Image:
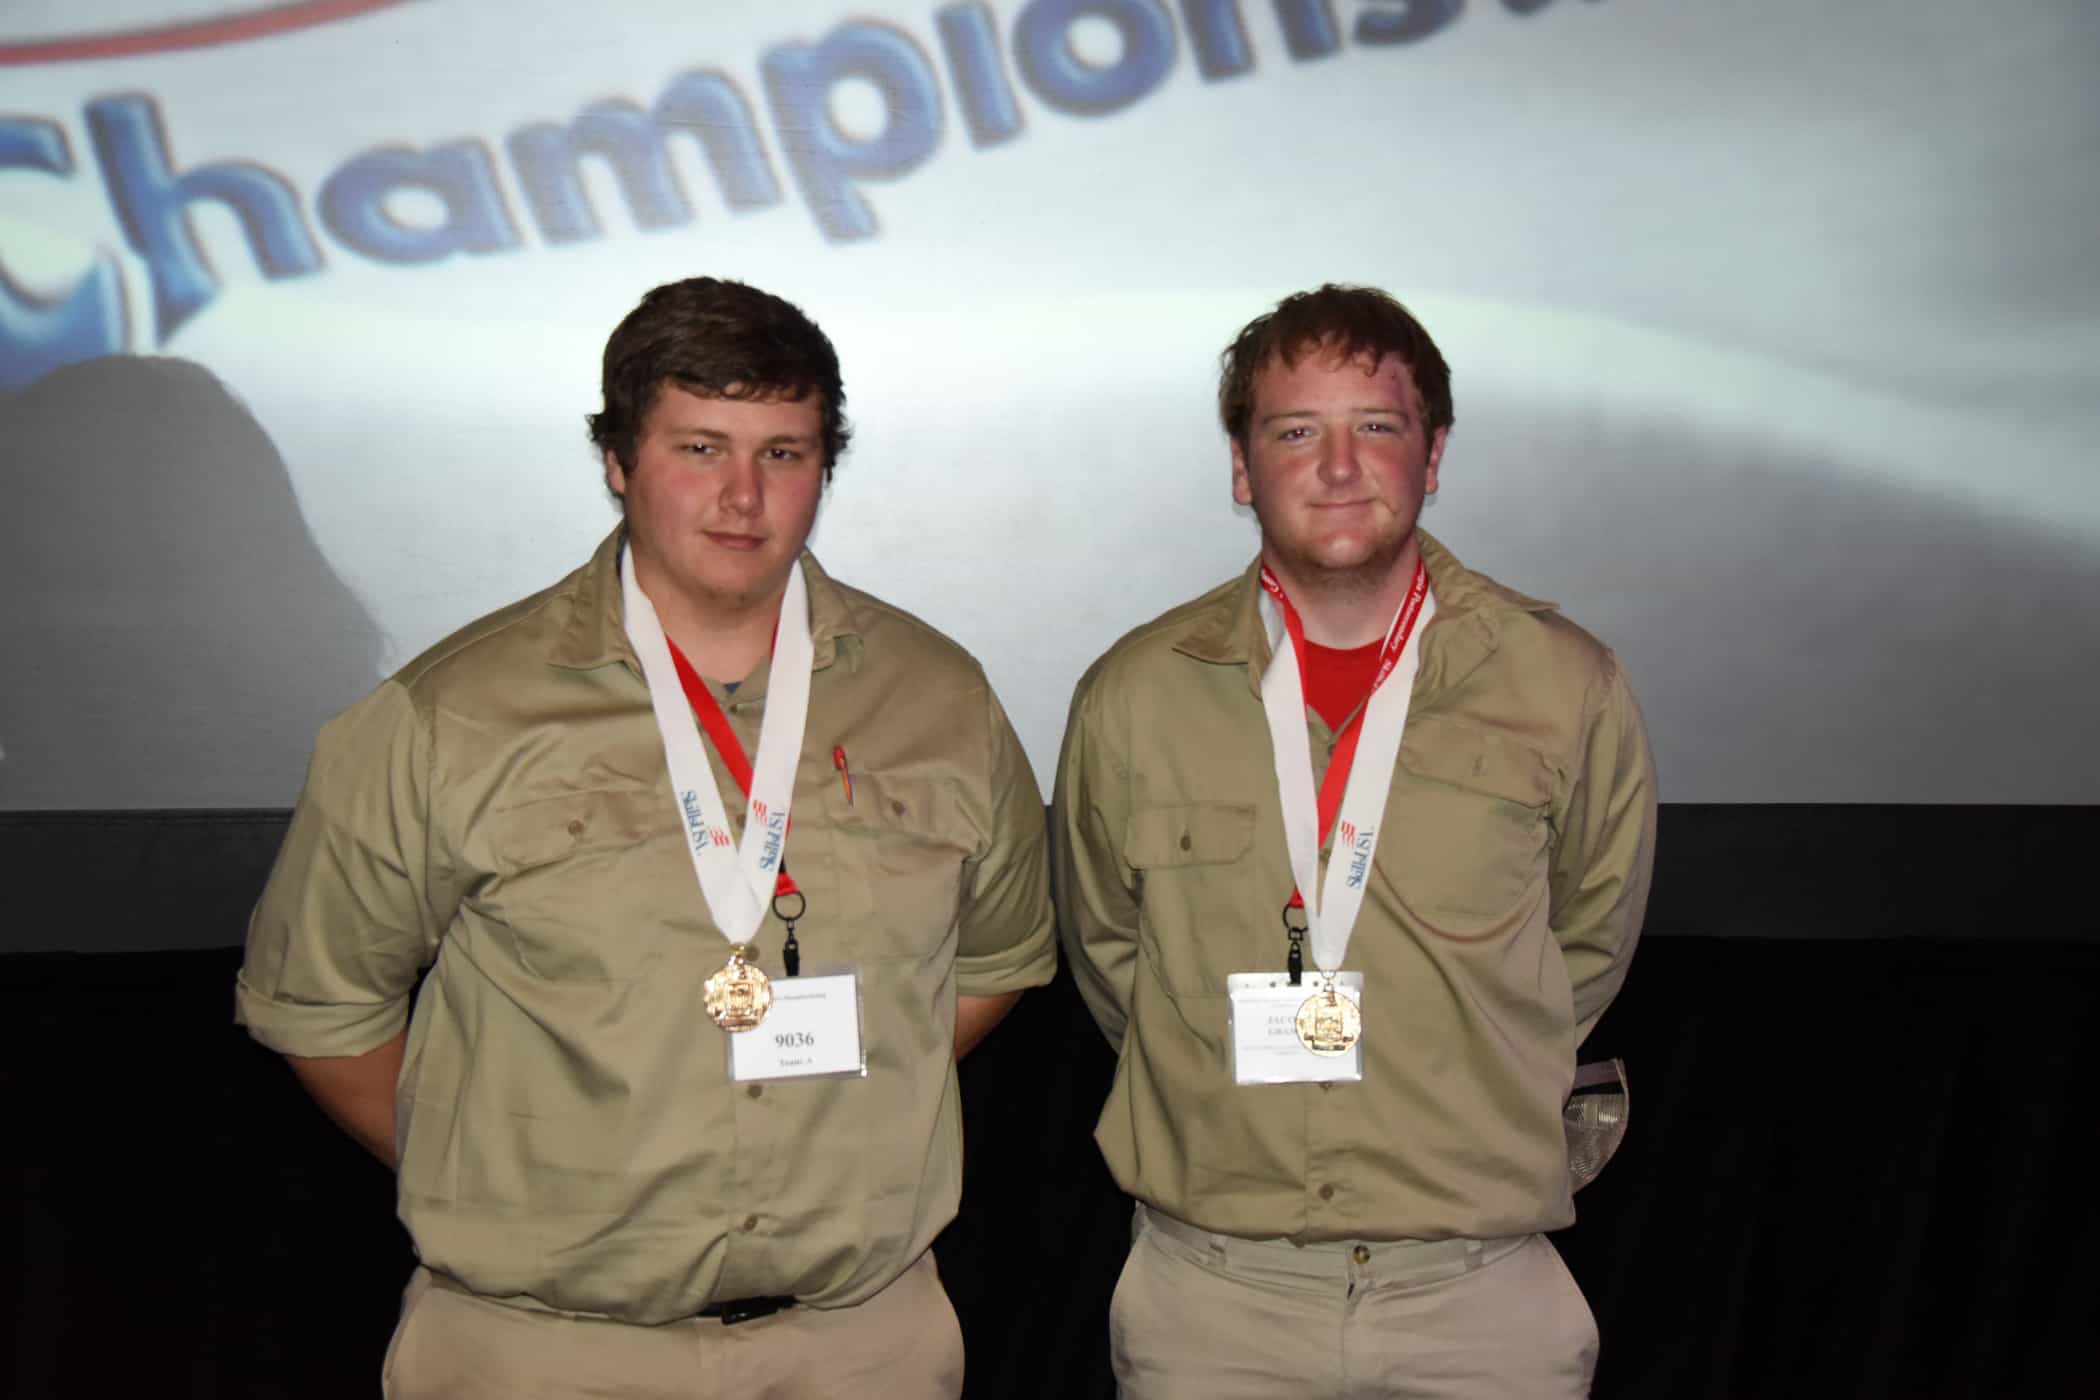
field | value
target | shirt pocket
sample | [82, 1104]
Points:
[582, 885]
[1194, 909]
[899, 851]
[1465, 842]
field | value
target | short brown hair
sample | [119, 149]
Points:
[1351, 321]
[725, 340]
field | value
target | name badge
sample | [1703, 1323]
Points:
[1269, 1045]
[812, 1029]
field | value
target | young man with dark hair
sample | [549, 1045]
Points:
[1351, 853]
[716, 865]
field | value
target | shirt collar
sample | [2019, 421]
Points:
[596, 632]
[1465, 631]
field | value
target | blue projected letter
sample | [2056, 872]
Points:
[705, 105]
[618, 133]
[1417, 19]
[152, 204]
[1219, 37]
[972, 41]
[1308, 27]
[826, 161]
[38, 335]
[459, 173]
[1069, 83]
[711, 109]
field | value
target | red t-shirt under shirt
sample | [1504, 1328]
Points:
[1336, 682]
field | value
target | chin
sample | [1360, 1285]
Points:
[1351, 557]
[744, 585]
[1355, 563]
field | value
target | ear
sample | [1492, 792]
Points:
[615, 475]
[1242, 485]
[1436, 458]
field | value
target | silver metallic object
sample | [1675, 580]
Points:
[1595, 1117]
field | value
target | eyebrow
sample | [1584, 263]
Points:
[1380, 410]
[718, 435]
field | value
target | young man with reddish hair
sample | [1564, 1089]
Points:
[717, 865]
[1352, 852]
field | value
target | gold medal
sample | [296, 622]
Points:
[1329, 1023]
[739, 996]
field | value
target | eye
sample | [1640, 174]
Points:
[1295, 433]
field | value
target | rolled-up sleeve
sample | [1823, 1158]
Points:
[1605, 853]
[1096, 891]
[1007, 941]
[348, 919]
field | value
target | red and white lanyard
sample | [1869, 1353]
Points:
[740, 882]
[1354, 791]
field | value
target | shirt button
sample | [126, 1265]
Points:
[1184, 840]
[1360, 1255]
[1327, 1192]
[750, 1223]
[756, 1090]
[1325, 1086]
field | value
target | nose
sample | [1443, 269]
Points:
[743, 486]
[1338, 464]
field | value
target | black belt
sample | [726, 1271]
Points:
[737, 1310]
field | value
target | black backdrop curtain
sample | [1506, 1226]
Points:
[1860, 1164]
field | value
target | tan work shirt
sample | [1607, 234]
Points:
[569, 1134]
[1505, 897]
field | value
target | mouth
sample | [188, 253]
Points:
[735, 540]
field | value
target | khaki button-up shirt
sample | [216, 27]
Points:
[569, 1134]
[1505, 896]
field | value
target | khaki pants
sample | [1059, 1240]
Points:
[453, 1345]
[1212, 1317]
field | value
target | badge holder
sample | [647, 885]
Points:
[1285, 1032]
[812, 1027]
[1595, 1118]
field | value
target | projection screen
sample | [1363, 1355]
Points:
[1775, 330]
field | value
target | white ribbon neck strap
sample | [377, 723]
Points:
[1331, 919]
[737, 884]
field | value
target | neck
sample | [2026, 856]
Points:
[1347, 608]
[724, 639]
[723, 653]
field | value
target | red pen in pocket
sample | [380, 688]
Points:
[838, 761]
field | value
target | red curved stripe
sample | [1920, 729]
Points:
[192, 34]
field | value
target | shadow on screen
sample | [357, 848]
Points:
[173, 635]
[1798, 630]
